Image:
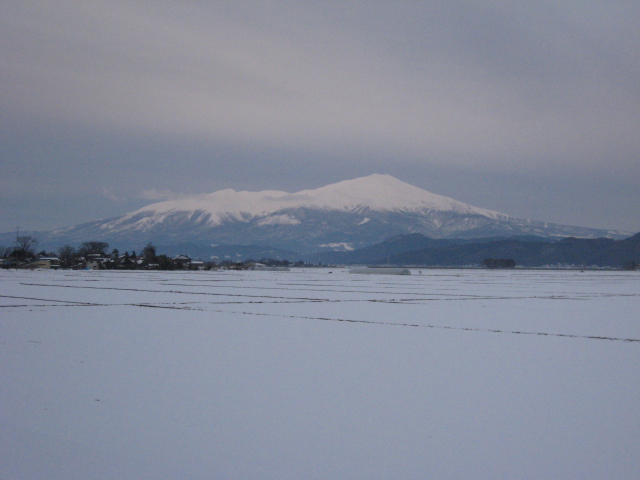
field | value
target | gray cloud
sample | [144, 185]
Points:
[184, 97]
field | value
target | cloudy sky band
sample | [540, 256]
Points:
[185, 97]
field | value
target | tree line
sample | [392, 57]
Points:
[96, 255]
[92, 252]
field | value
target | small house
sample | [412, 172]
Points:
[47, 263]
[182, 262]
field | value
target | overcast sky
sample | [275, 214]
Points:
[528, 108]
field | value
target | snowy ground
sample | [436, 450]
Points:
[319, 374]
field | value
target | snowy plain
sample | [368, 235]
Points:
[320, 374]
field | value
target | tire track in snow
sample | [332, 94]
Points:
[280, 299]
[179, 292]
[440, 327]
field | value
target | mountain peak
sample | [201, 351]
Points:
[384, 193]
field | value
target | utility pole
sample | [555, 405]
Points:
[15, 257]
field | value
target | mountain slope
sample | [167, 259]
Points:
[382, 193]
[345, 215]
[383, 251]
[602, 252]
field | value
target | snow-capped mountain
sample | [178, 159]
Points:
[381, 193]
[344, 215]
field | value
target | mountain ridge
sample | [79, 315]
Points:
[418, 250]
[374, 192]
[345, 215]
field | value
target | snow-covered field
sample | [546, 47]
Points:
[319, 374]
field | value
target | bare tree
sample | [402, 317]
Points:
[66, 254]
[26, 242]
[24, 247]
[93, 247]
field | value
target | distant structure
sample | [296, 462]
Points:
[267, 268]
[381, 271]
